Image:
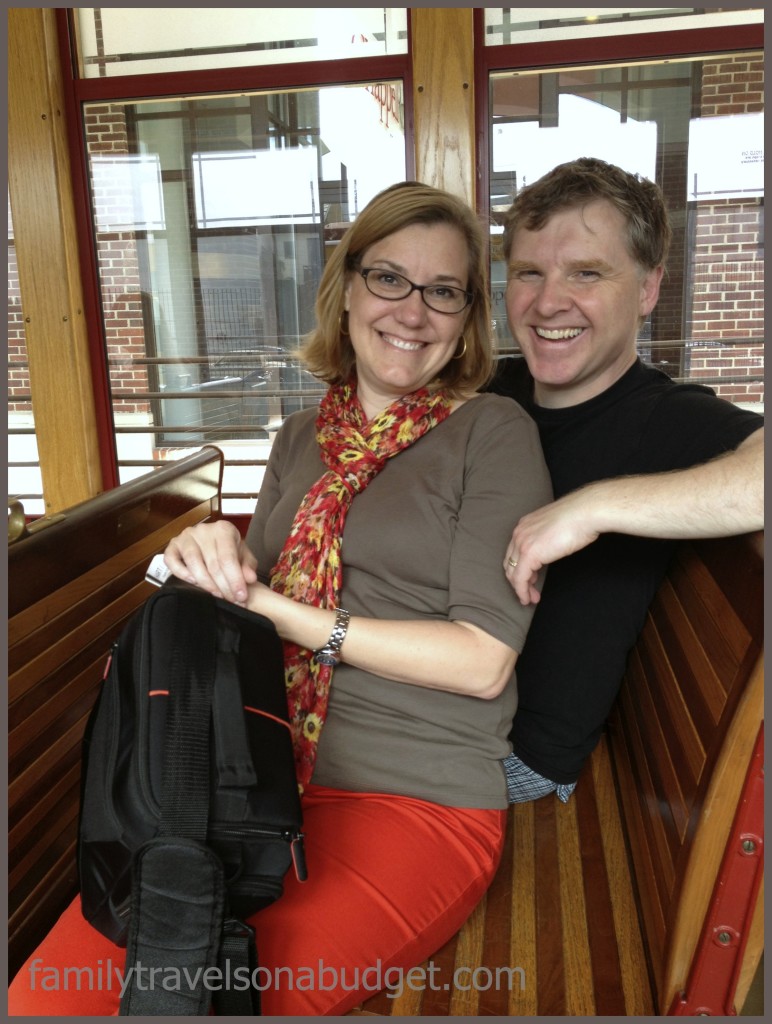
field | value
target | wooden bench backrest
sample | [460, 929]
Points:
[72, 585]
[682, 738]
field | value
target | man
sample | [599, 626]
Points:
[586, 247]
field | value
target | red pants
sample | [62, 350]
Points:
[390, 880]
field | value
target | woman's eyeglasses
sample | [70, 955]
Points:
[442, 298]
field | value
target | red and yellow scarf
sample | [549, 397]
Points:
[309, 567]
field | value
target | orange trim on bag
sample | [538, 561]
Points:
[158, 693]
[265, 714]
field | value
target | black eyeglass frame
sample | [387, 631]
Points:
[364, 271]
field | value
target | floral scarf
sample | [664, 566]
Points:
[309, 567]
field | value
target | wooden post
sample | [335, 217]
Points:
[443, 84]
[45, 233]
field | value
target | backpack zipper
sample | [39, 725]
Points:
[294, 838]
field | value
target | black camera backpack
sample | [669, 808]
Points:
[190, 814]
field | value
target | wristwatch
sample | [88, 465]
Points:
[330, 653]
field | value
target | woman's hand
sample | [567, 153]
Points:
[214, 557]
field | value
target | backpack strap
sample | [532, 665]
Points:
[187, 750]
[177, 906]
[178, 888]
[238, 961]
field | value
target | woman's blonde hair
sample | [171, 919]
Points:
[327, 350]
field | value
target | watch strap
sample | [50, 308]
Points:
[330, 653]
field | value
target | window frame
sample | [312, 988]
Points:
[187, 84]
[684, 43]
[557, 56]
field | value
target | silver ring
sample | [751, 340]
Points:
[512, 562]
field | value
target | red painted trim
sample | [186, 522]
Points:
[481, 113]
[274, 77]
[409, 105]
[100, 376]
[621, 49]
[715, 970]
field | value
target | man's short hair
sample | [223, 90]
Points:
[586, 180]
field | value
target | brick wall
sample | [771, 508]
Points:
[18, 373]
[119, 275]
[726, 315]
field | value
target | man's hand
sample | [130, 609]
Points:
[719, 498]
[214, 557]
[543, 537]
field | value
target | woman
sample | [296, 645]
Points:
[377, 549]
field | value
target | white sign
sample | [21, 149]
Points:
[726, 157]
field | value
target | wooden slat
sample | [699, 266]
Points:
[55, 613]
[655, 830]
[577, 930]
[523, 1001]
[604, 952]
[124, 515]
[679, 733]
[636, 981]
[668, 773]
[712, 615]
[550, 986]
[497, 941]
[650, 891]
[469, 949]
[737, 566]
[691, 666]
[31, 837]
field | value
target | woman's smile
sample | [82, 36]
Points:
[403, 344]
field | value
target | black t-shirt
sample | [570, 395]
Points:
[594, 602]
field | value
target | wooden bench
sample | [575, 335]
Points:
[73, 582]
[641, 895]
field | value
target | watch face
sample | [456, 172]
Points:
[326, 659]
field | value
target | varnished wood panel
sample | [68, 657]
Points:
[523, 999]
[578, 933]
[46, 248]
[698, 629]
[691, 666]
[497, 941]
[604, 951]
[443, 96]
[633, 961]
[126, 515]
